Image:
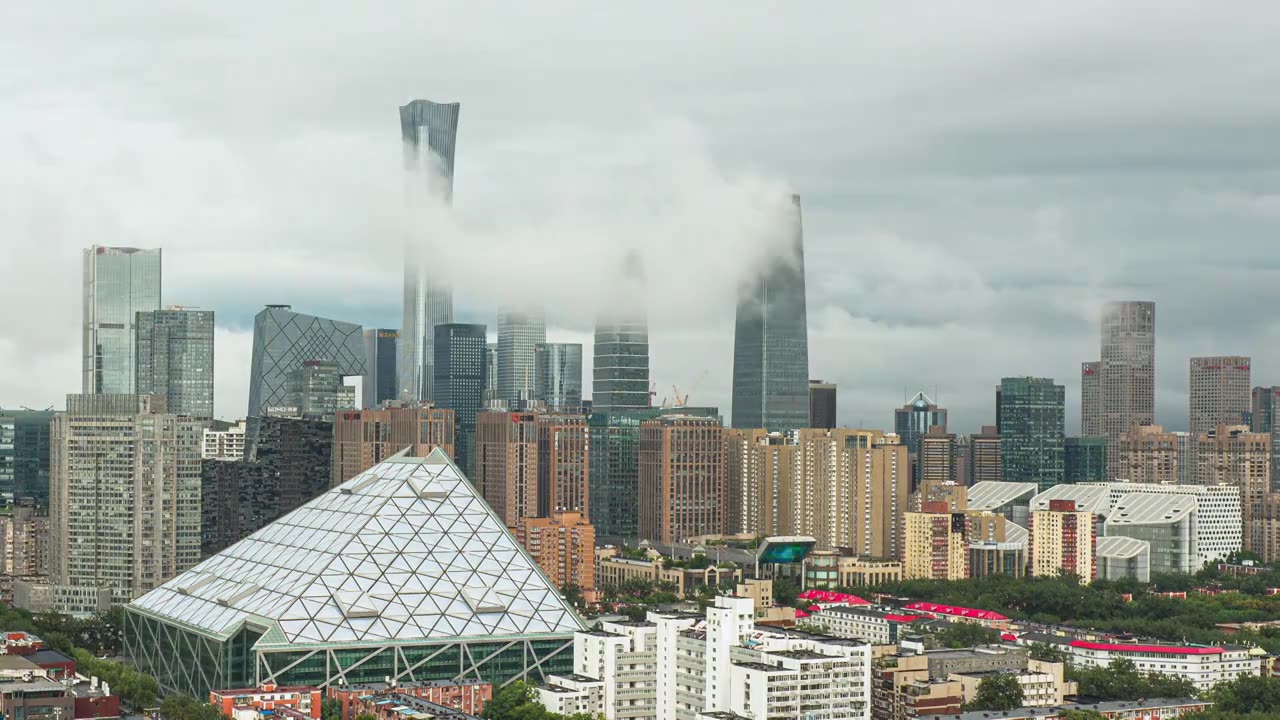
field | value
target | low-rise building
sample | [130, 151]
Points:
[269, 698]
[467, 696]
[876, 626]
[1145, 709]
[1121, 557]
[903, 687]
[402, 706]
[1203, 665]
[616, 570]
[830, 569]
[1170, 524]
[953, 613]
[1043, 683]
[80, 601]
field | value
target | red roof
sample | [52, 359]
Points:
[1009, 636]
[801, 614]
[1161, 649]
[903, 618]
[815, 608]
[956, 611]
[828, 596]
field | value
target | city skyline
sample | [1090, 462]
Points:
[1041, 206]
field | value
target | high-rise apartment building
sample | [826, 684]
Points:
[173, 357]
[564, 465]
[935, 546]
[284, 340]
[519, 330]
[1091, 399]
[1032, 414]
[1148, 454]
[681, 478]
[984, 456]
[936, 464]
[759, 476]
[24, 547]
[771, 341]
[429, 132]
[564, 546]
[381, 382]
[1127, 373]
[119, 282]
[506, 458]
[1084, 459]
[1220, 392]
[124, 502]
[822, 404]
[1235, 456]
[24, 454]
[459, 383]
[316, 390]
[851, 490]
[226, 444]
[1063, 540]
[557, 376]
[364, 438]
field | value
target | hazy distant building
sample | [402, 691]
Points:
[1032, 414]
[108, 448]
[1220, 392]
[557, 376]
[519, 330]
[381, 382]
[822, 404]
[119, 282]
[1091, 399]
[316, 390]
[174, 358]
[490, 373]
[1127, 374]
[984, 456]
[283, 340]
[364, 438]
[429, 132]
[1148, 454]
[681, 478]
[1084, 459]
[620, 369]
[461, 352]
[1262, 415]
[24, 454]
[771, 342]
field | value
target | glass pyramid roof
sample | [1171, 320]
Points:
[402, 552]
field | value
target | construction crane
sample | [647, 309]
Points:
[653, 393]
[679, 401]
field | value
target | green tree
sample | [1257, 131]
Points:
[366, 716]
[785, 591]
[1247, 694]
[1045, 652]
[330, 709]
[185, 707]
[997, 692]
[1075, 714]
[966, 634]
[573, 594]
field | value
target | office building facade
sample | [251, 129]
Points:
[284, 340]
[316, 390]
[1220, 392]
[1084, 459]
[124, 502]
[564, 464]
[519, 331]
[507, 463]
[1127, 373]
[119, 282]
[984, 456]
[459, 383]
[173, 357]
[822, 404]
[771, 341]
[381, 382]
[620, 367]
[429, 132]
[1032, 415]
[681, 460]
[364, 438]
[24, 454]
[1091, 399]
[557, 376]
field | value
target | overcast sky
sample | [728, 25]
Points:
[977, 178]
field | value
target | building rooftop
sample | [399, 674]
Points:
[875, 613]
[19, 663]
[1106, 707]
[1118, 546]
[1088, 498]
[415, 708]
[955, 611]
[991, 495]
[406, 550]
[1141, 508]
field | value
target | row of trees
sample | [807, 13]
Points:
[516, 702]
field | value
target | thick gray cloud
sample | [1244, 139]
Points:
[977, 179]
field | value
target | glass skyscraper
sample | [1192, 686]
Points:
[771, 342]
[380, 348]
[429, 131]
[284, 340]
[557, 375]
[174, 358]
[461, 353]
[620, 370]
[119, 282]
[519, 330]
[1032, 417]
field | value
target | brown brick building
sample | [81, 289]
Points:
[564, 546]
[682, 478]
[364, 438]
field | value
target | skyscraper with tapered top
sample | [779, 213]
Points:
[771, 340]
[429, 131]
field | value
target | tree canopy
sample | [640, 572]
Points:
[1121, 680]
[997, 692]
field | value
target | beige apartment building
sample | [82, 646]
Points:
[936, 545]
[564, 546]
[564, 464]
[759, 474]
[1063, 540]
[364, 438]
[1234, 455]
[682, 478]
[1148, 454]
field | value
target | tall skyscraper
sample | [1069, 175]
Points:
[1032, 414]
[174, 358]
[557, 376]
[1090, 399]
[119, 282]
[124, 502]
[936, 463]
[381, 346]
[911, 422]
[283, 340]
[620, 370]
[1262, 418]
[822, 404]
[519, 330]
[459, 369]
[681, 478]
[984, 456]
[1220, 392]
[490, 373]
[1127, 374]
[506, 452]
[564, 464]
[771, 341]
[24, 454]
[316, 390]
[429, 131]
